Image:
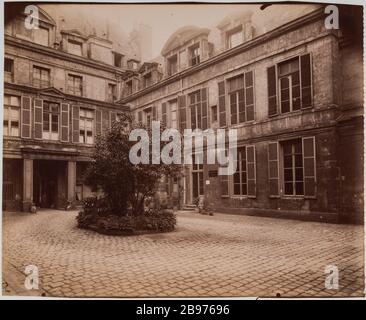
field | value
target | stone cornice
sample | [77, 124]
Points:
[292, 25]
[20, 43]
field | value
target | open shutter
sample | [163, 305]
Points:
[75, 123]
[38, 117]
[64, 122]
[272, 91]
[182, 112]
[251, 171]
[308, 146]
[273, 169]
[204, 105]
[222, 107]
[98, 122]
[163, 114]
[305, 65]
[26, 117]
[105, 121]
[249, 95]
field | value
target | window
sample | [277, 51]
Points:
[86, 124]
[289, 85]
[194, 53]
[234, 37]
[11, 116]
[75, 47]
[41, 77]
[172, 65]
[197, 175]
[51, 115]
[128, 87]
[117, 59]
[173, 114]
[75, 85]
[147, 80]
[112, 92]
[293, 178]
[240, 176]
[241, 96]
[9, 70]
[213, 114]
[41, 36]
[195, 105]
[148, 117]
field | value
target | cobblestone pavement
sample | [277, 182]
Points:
[223, 255]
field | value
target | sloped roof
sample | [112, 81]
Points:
[181, 36]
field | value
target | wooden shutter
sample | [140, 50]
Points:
[251, 171]
[98, 122]
[75, 123]
[65, 122]
[26, 117]
[222, 107]
[105, 121]
[305, 67]
[308, 151]
[182, 112]
[38, 118]
[272, 90]
[273, 169]
[249, 95]
[204, 108]
[163, 114]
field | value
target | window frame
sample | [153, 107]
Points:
[41, 82]
[72, 91]
[10, 120]
[50, 134]
[234, 31]
[194, 59]
[169, 64]
[9, 75]
[82, 119]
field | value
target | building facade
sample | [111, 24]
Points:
[60, 90]
[292, 88]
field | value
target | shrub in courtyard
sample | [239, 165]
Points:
[126, 187]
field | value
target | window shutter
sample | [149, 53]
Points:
[272, 90]
[251, 171]
[305, 65]
[154, 113]
[182, 112]
[139, 117]
[204, 111]
[273, 169]
[98, 122]
[308, 146]
[163, 114]
[26, 117]
[38, 117]
[65, 122]
[105, 121]
[75, 123]
[222, 107]
[113, 117]
[249, 95]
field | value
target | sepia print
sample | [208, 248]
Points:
[183, 150]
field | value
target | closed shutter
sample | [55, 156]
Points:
[163, 114]
[65, 122]
[272, 90]
[26, 117]
[38, 117]
[105, 121]
[222, 107]
[204, 110]
[249, 95]
[308, 146]
[98, 122]
[273, 169]
[251, 171]
[182, 112]
[75, 123]
[305, 65]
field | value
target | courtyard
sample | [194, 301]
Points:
[206, 256]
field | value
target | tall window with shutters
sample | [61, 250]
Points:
[11, 116]
[290, 85]
[86, 125]
[241, 98]
[51, 117]
[244, 179]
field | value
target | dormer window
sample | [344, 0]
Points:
[117, 59]
[129, 87]
[147, 80]
[234, 37]
[194, 54]
[75, 47]
[41, 36]
[172, 65]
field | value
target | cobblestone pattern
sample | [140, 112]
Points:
[223, 255]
